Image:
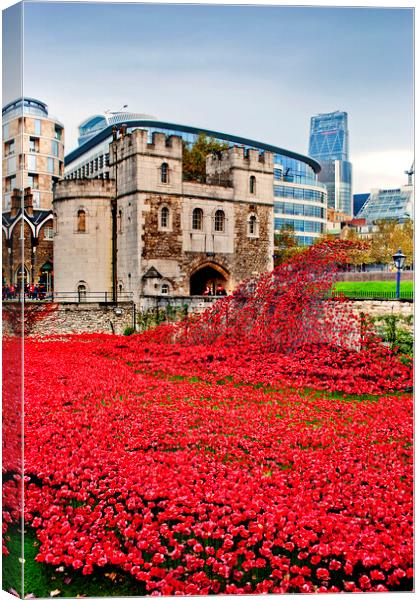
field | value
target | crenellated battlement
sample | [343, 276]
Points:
[235, 166]
[166, 144]
[137, 142]
[239, 157]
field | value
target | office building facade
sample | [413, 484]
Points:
[33, 151]
[329, 145]
[300, 200]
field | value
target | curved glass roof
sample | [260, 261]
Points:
[96, 123]
[29, 105]
[97, 133]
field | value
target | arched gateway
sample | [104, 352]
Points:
[208, 275]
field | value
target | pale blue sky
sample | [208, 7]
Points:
[260, 72]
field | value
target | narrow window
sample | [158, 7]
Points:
[164, 173]
[252, 184]
[252, 226]
[81, 221]
[11, 165]
[119, 221]
[9, 148]
[81, 290]
[58, 133]
[197, 219]
[219, 221]
[164, 218]
[48, 233]
[36, 199]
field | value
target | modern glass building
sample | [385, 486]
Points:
[300, 200]
[329, 144]
[395, 204]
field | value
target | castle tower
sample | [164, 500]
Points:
[82, 237]
[137, 164]
[249, 172]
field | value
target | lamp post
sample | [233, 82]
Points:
[114, 205]
[399, 259]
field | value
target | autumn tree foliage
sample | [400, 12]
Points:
[390, 237]
[285, 245]
[194, 157]
[386, 238]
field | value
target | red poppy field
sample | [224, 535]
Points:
[174, 464]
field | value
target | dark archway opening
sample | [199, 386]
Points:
[206, 277]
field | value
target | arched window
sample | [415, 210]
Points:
[252, 226]
[119, 221]
[55, 223]
[197, 219]
[81, 221]
[252, 185]
[164, 173]
[219, 220]
[164, 218]
[81, 292]
[165, 289]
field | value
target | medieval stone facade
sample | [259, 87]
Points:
[147, 232]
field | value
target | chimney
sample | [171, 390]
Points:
[16, 202]
[28, 202]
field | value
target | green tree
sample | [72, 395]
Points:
[194, 157]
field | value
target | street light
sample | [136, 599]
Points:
[399, 259]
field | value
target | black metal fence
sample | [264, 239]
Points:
[371, 295]
[78, 297]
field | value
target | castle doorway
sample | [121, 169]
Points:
[209, 275]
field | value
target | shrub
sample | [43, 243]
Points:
[129, 330]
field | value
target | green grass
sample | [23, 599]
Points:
[42, 579]
[354, 287]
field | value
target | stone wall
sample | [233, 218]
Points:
[184, 304]
[377, 308]
[66, 318]
[375, 276]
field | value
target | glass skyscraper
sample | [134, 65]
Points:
[329, 145]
